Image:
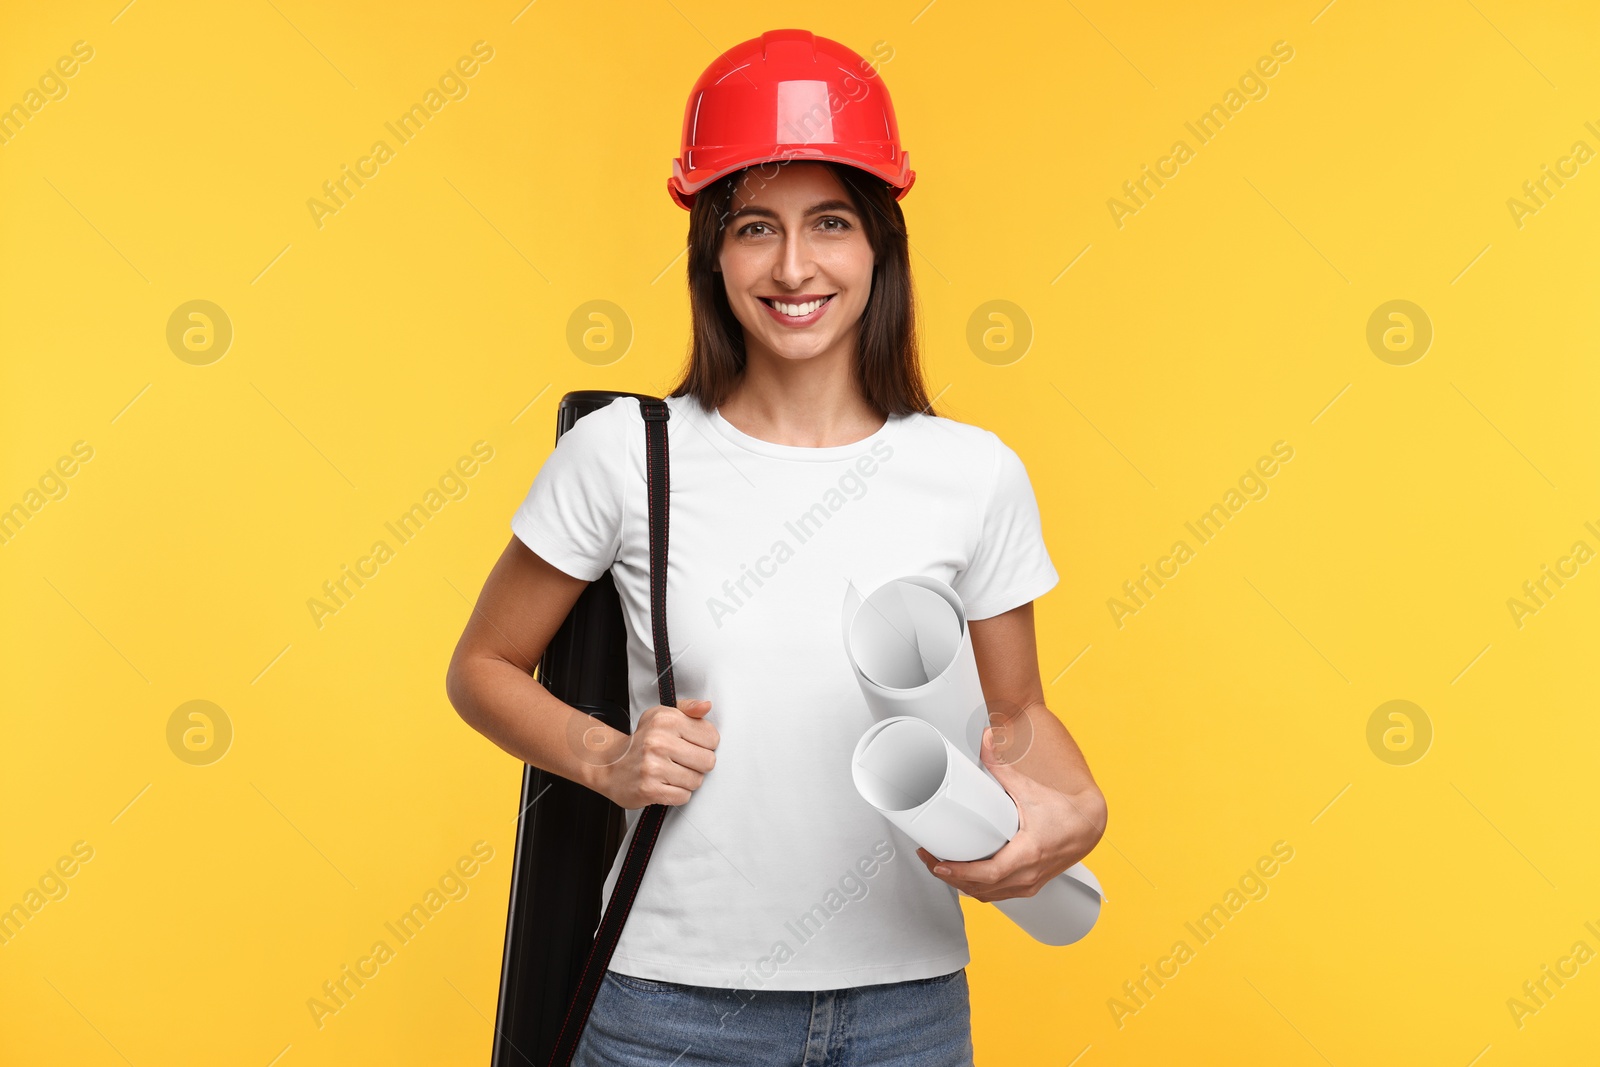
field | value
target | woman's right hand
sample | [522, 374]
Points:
[665, 759]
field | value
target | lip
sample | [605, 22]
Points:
[800, 321]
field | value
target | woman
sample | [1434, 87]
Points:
[780, 920]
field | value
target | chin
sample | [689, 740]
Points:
[796, 352]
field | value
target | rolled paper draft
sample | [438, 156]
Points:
[909, 645]
[906, 769]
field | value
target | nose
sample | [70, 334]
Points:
[795, 263]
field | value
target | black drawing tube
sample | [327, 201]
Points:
[567, 836]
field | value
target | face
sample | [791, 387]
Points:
[794, 239]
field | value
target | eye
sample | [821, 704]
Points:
[745, 229]
[843, 225]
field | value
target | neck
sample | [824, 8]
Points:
[812, 402]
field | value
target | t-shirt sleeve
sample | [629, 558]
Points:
[572, 515]
[1011, 564]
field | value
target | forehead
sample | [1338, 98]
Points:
[794, 186]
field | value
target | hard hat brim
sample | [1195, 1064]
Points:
[683, 186]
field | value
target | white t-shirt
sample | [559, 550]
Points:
[776, 874]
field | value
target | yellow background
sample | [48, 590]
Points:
[1229, 313]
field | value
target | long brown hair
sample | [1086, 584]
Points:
[887, 366]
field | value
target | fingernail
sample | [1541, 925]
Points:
[941, 869]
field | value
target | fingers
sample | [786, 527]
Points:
[682, 721]
[670, 780]
[699, 732]
[694, 727]
[674, 749]
[996, 878]
[688, 754]
[673, 762]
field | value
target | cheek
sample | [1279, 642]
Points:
[739, 273]
[859, 267]
[860, 282]
[849, 265]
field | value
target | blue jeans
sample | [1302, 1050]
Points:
[639, 1022]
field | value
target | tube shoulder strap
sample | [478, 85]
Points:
[648, 828]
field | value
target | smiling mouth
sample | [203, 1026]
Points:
[796, 310]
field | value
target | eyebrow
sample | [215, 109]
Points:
[826, 205]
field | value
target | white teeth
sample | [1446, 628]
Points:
[796, 310]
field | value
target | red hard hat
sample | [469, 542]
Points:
[787, 94]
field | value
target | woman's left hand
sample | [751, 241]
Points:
[1054, 832]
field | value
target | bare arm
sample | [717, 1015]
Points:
[522, 605]
[1027, 734]
[490, 683]
[1061, 811]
